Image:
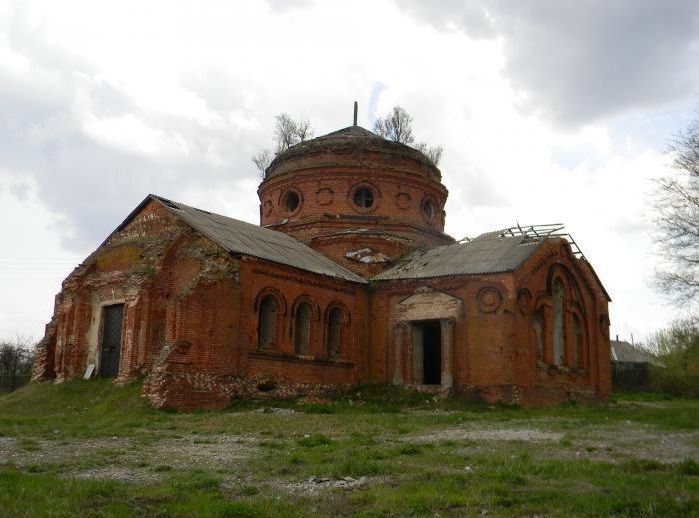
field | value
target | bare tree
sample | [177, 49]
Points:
[287, 132]
[304, 130]
[396, 126]
[433, 153]
[262, 161]
[677, 219]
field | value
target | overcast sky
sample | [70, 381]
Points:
[548, 111]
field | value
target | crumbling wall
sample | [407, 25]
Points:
[149, 264]
[44, 353]
[175, 382]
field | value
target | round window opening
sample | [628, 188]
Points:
[428, 208]
[363, 198]
[291, 201]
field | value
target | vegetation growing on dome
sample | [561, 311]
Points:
[398, 127]
[395, 126]
[287, 132]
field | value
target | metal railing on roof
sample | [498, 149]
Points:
[537, 232]
[533, 233]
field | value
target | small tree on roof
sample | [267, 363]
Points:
[398, 127]
[287, 132]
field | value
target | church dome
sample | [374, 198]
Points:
[351, 140]
[358, 198]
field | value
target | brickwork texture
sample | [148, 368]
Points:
[204, 326]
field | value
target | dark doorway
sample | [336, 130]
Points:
[431, 352]
[111, 340]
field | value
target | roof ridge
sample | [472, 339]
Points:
[256, 241]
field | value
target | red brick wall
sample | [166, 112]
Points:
[191, 323]
[292, 286]
[483, 346]
[215, 355]
[494, 347]
[583, 292]
[325, 184]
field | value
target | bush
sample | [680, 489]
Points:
[677, 349]
[670, 381]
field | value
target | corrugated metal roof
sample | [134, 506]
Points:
[622, 351]
[244, 238]
[488, 253]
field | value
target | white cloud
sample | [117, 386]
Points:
[576, 62]
[32, 261]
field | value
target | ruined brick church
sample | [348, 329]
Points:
[349, 279]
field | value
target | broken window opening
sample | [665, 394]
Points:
[538, 335]
[558, 323]
[334, 332]
[267, 325]
[578, 340]
[291, 201]
[302, 328]
[428, 209]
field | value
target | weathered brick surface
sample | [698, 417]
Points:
[191, 309]
[328, 219]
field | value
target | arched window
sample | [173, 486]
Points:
[575, 360]
[291, 201]
[537, 324]
[578, 361]
[302, 328]
[333, 334]
[267, 324]
[557, 296]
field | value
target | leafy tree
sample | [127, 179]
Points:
[15, 363]
[677, 346]
[398, 127]
[677, 219]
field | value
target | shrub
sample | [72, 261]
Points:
[677, 349]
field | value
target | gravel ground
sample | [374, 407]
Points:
[148, 461]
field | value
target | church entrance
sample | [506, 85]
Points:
[111, 340]
[427, 352]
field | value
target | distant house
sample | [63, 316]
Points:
[630, 366]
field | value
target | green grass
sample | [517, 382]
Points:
[390, 436]
[192, 494]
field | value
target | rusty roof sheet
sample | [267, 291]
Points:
[245, 238]
[488, 253]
